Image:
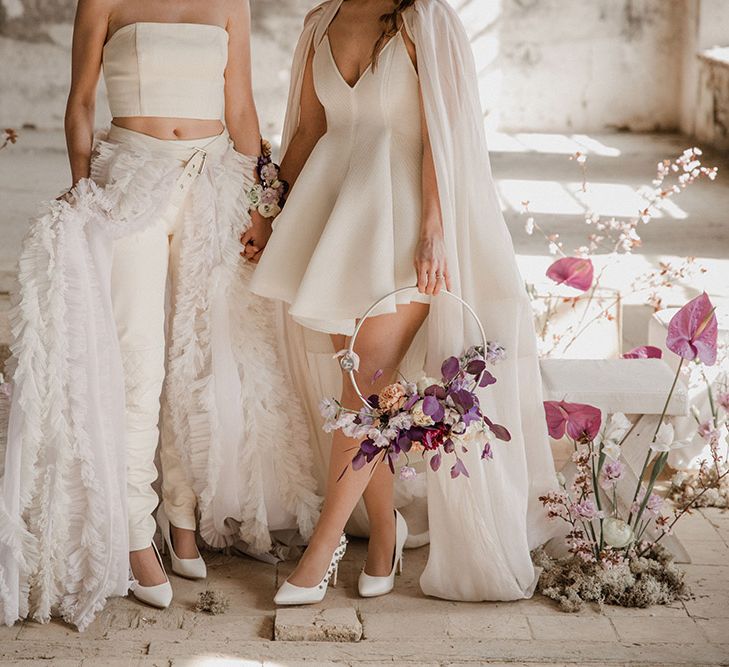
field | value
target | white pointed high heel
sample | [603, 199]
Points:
[159, 596]
[289, 594]
[190, 568]
[371, 587]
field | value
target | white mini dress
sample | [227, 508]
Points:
[348, 232]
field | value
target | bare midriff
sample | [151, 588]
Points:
[170, 128]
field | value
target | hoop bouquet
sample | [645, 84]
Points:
[433, 417]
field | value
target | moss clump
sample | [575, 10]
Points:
[687, 487]
[212, 602]
[636, 582]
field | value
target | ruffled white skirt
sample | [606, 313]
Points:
[228, 406]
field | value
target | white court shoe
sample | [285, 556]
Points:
[371, 587]
[190, 568]
[159, 596]
[289, 594]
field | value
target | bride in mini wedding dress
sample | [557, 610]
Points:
[391, 185]
[164, 189]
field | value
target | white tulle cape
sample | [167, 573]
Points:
[481, 529]
[227, 403]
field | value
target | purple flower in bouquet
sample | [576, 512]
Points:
[576, 272]
[269, 172]
[644, 352]
[723, 400]
[270, 196]
[580, 421]
[612, 472]
[692, 331]
[585, 509]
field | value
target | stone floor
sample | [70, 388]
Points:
[404, 628]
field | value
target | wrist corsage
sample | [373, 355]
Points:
[268, 196]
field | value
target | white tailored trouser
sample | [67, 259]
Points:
[140, 269]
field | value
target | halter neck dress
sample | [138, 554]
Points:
[348, 232]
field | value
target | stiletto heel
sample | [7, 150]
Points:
[290, 594]
[369, 586]
[159, 596]
[190, 568]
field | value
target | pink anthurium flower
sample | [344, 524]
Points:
[644, 352]
[580, 421]
[576, 272]
[693, 330]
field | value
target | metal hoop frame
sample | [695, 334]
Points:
[347, 361]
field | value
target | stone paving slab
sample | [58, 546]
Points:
[335, 624]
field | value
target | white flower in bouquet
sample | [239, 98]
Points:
[255, 195]
[408, 472]
[451, 417]
[425, 382]
[269, 210]
[401, 422]
[328, 408]
[664, 438]
[617, 533]
[378, 438]
[419, 417]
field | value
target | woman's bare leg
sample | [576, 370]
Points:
[381, 344]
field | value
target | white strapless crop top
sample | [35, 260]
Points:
[174, 70]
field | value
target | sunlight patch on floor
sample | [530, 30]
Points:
[541, 142]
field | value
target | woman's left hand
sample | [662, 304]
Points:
[430, 264]
[256, 237]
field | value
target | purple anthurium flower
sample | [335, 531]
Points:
[448, 446]
[435, 461]
[486, 379]
[458, 469]
[644, 352]
[374, 401]
[450, 368]
[580, 421]
[693, 330]
[433, 408]
[575, 272]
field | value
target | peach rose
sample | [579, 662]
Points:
[392, 397]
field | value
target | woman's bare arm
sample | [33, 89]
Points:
[430, 255]
[241, 117]
[312, 126]
[89, 35]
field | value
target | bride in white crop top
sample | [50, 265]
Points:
[134, 306]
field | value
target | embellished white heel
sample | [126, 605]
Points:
[369, 586]
[190, 568]
[159, 596]
[289, 594]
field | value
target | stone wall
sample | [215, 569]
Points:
[544, 65]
